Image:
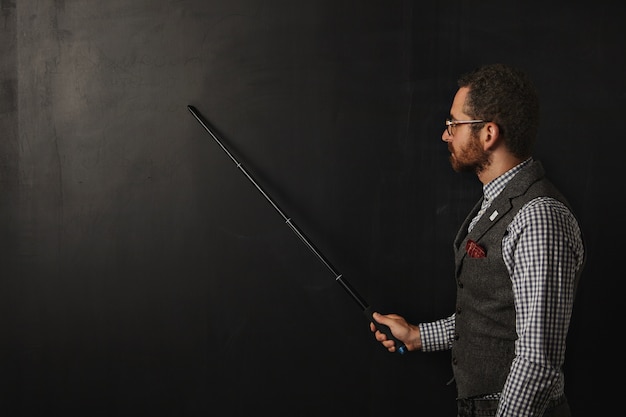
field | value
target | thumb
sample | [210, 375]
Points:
[379, 318]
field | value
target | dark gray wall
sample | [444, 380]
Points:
[142, 274]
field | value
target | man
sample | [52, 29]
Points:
[518, 256]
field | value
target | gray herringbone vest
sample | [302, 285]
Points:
[483, 349]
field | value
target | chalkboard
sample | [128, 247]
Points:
[142, 273]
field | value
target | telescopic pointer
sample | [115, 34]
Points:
[368, 310]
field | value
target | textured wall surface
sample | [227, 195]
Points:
[143, 275]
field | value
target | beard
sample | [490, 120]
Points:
[471, 158]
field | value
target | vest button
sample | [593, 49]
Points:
[459, 283]
[458, 310]
[454, 361]
[456, 336]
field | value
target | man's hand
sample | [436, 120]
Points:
[407, 333]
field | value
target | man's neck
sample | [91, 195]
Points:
[497, 167]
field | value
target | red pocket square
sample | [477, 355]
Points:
[474, 250]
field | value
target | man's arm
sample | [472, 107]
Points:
[543, 251]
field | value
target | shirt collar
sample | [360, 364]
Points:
[495, 186]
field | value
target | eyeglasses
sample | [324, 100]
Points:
[451, 124]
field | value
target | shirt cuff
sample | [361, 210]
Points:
[437, 335]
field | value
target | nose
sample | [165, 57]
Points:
[445, 136]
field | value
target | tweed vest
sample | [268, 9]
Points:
[484, 342]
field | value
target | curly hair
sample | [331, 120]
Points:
[506, 96]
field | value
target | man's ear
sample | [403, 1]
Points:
[490, 136]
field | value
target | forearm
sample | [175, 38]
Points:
[528, 389]
[437, 335]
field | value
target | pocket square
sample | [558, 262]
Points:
[474, 250]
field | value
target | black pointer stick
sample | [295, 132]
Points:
[400, 347]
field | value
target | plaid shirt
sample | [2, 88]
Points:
[542, 252]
